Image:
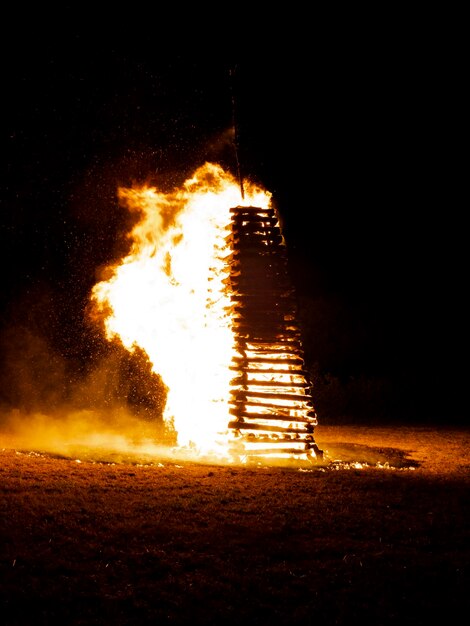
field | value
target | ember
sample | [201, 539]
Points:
[205, 292]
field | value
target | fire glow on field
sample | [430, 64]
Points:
[169, 297]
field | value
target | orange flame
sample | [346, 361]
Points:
[168, 297]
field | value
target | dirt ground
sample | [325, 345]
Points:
[433, 450]
[376, 533]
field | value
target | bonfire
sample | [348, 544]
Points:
[204, 291]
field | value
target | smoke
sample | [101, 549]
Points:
[32, 375]
[97, 435]
[222, 140]
[103, 411]
[108, 404]
[221, 148]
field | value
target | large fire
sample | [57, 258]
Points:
[171, 297]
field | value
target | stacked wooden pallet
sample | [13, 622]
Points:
[271, 402]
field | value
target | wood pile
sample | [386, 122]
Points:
[271, 402]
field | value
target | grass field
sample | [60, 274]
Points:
[376, 534]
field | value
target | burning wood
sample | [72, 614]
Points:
[205, 292]
[264, 323]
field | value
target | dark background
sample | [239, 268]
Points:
[356, 134]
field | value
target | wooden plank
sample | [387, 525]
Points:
[268, 360]
[255, 227]
[239, 394]
[284, 298]
[251, 370]
[260, 286]
[266, 383]
[241, 211]
[257, 263]
[274, 417]
[257, 335]
[271, 313]
[240, 407]
[280, 450]
[257, 238]
[271, 325]
[269, 348]
[237, 425]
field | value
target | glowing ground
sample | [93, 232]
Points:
[377, 534]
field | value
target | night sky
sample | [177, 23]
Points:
[355, 137]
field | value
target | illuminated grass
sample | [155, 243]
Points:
[184, 542]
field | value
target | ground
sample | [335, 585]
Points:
[376, 533]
